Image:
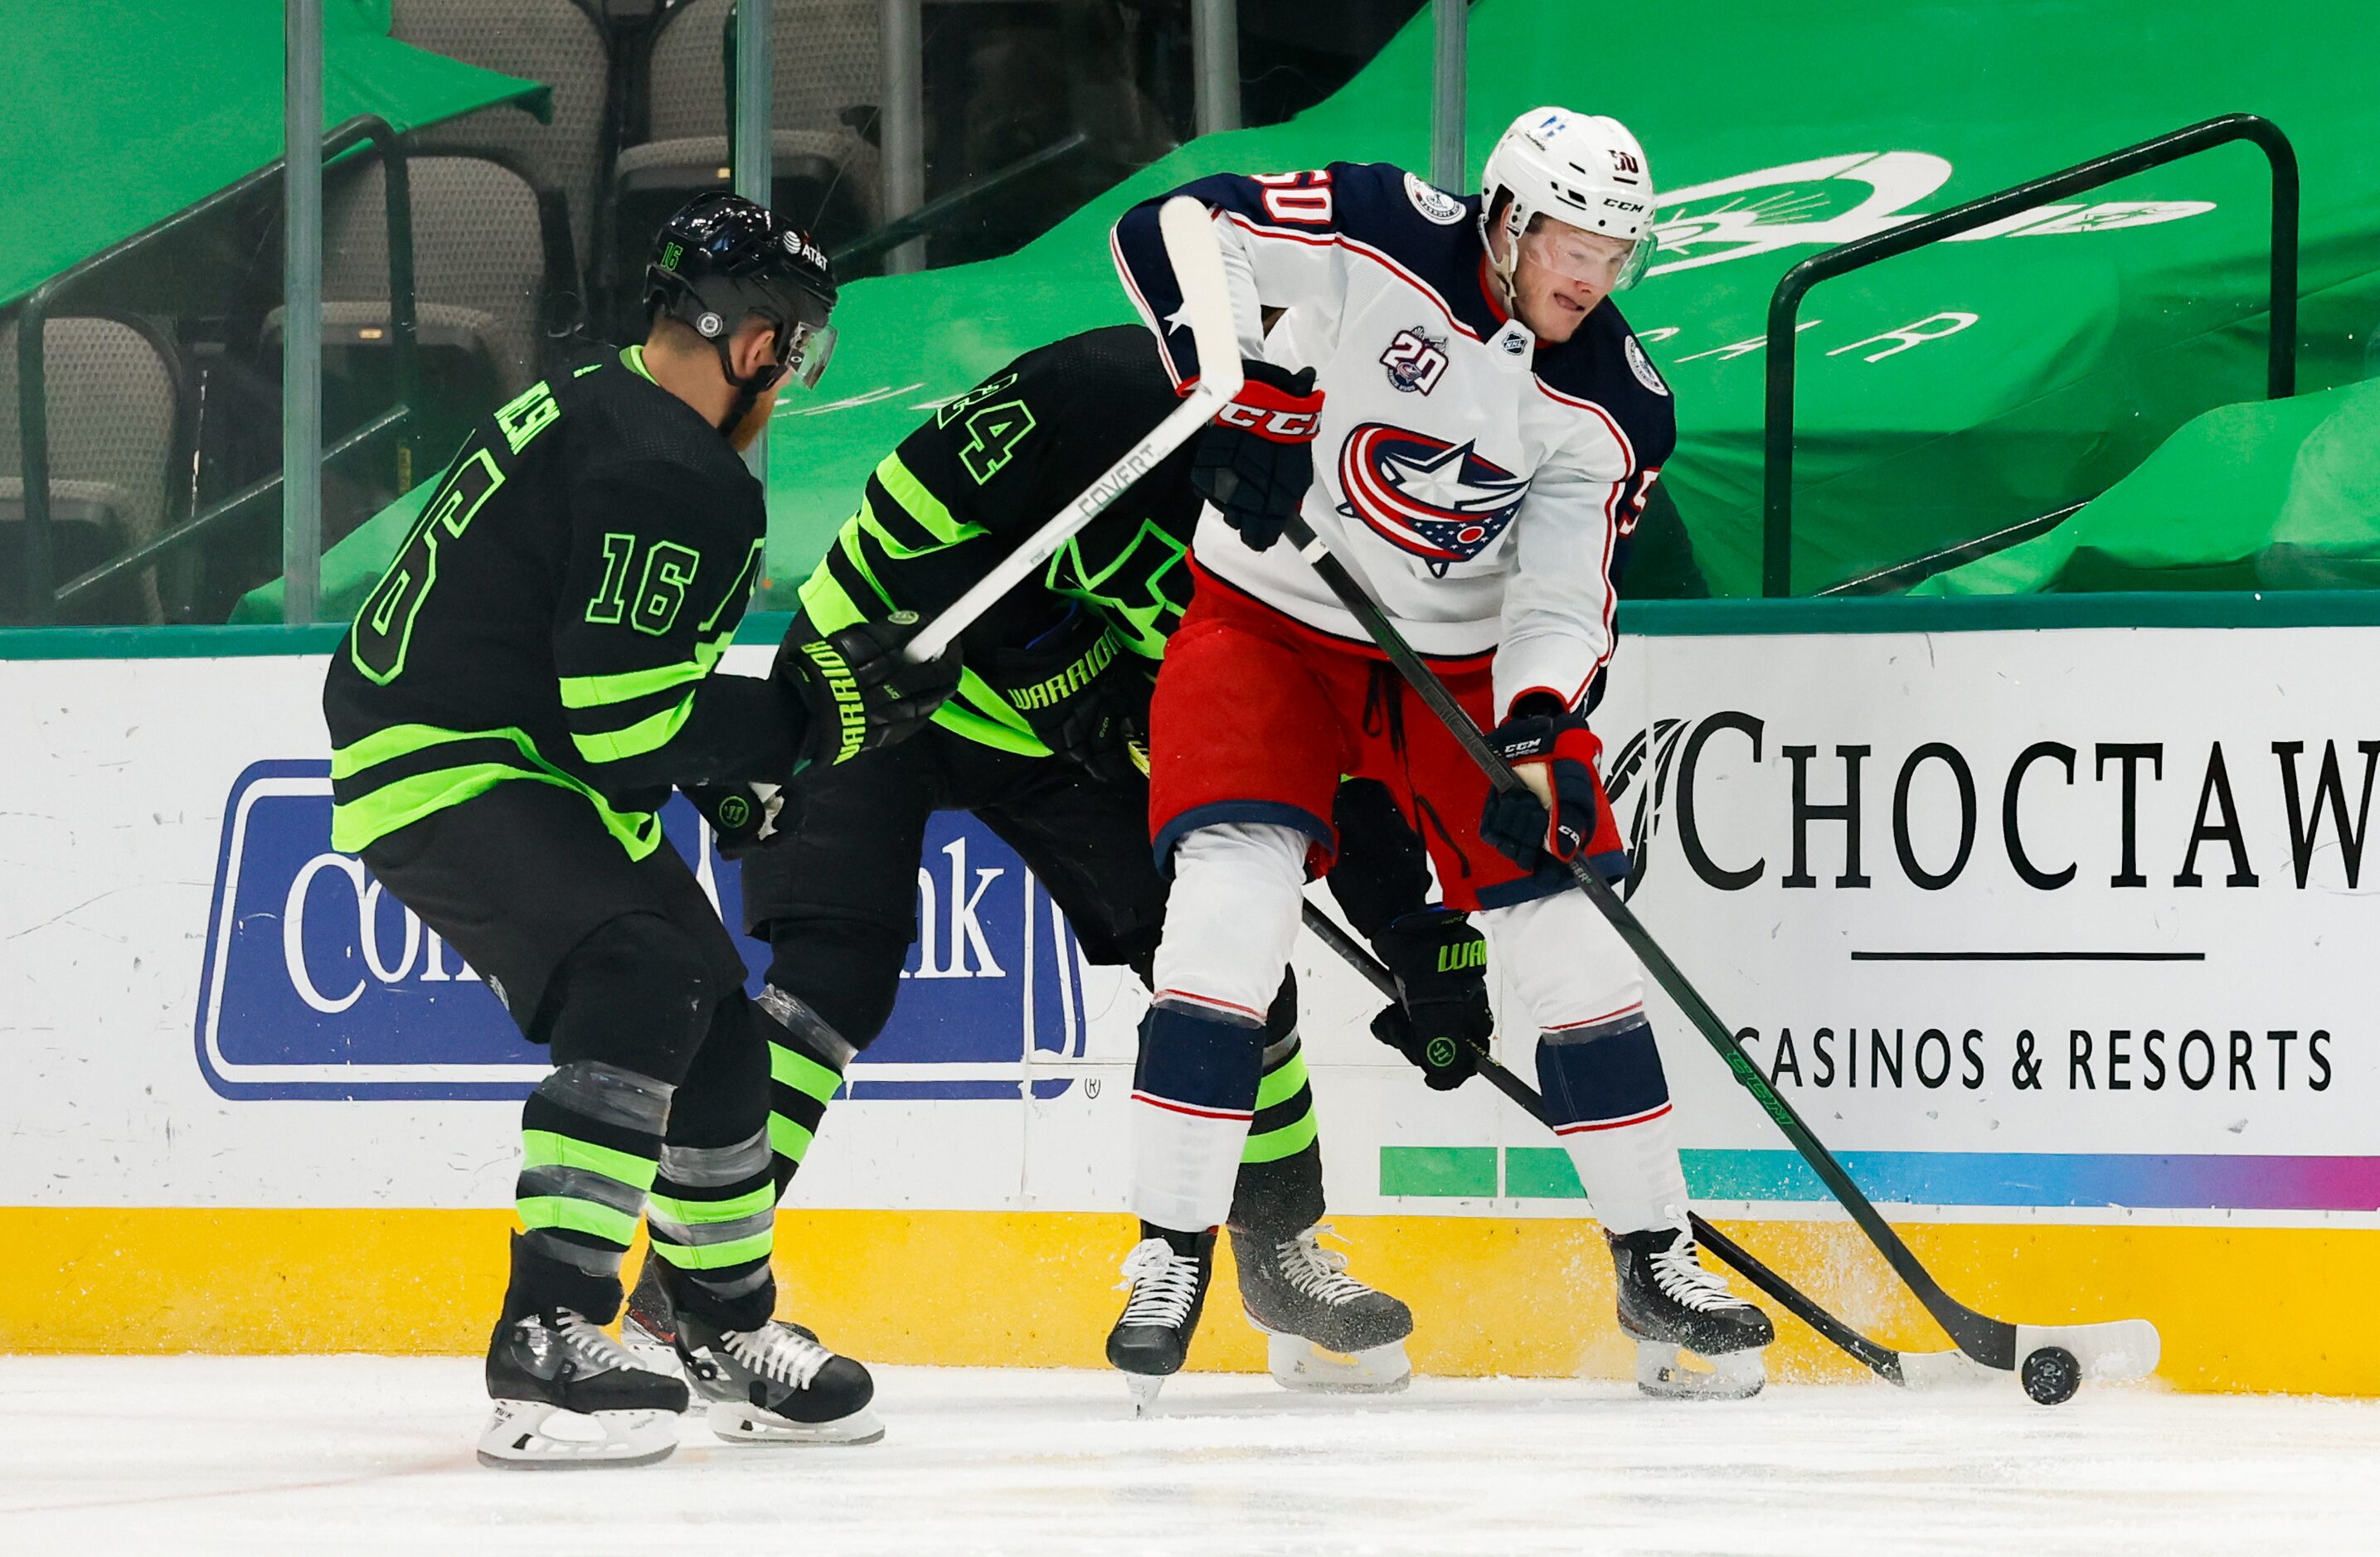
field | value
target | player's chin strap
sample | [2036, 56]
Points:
[748, 389]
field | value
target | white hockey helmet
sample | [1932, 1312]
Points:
[1584, 169]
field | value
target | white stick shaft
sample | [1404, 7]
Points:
[1197, 261]
[1187, 418]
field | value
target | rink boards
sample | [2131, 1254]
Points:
[2049, 915]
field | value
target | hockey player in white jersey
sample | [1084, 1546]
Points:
[1447, 397]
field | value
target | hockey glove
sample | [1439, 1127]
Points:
[1442, 1019]
[1082, 694]
[857, 691]
[1255, 461]
[742, 817]
[1563, 809]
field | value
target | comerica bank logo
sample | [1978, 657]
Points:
[318, 984]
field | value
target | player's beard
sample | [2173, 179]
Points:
[741, 435]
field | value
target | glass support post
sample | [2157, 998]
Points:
[301, 338]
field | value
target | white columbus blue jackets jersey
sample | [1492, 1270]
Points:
[1482, 487]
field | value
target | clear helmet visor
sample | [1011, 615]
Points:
[802, 352]
[1607, 264]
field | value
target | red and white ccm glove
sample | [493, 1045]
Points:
[1256, 459]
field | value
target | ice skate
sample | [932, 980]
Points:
[776, 1384]
[568, 1395]
[1670, 1305]
[1152, 1336]
[1327, 1331]
[649, 1325]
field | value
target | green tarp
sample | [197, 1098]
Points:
[121, 113]
[2032, 368]
[2269, 495]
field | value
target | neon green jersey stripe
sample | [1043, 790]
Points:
[577, 1216]
[647, 734]
[593, 692]
[548, 1149]
[403, 740]
[802, 1073]
[716, 1256]
[1283, 1085]
[693, 1214]
[923, 506]
[1286, 1142]
[358, 823]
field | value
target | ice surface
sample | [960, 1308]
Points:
[175, 1455]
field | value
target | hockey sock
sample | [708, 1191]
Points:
[590, 1141]
[1280, 1183]
[1608, 1100]
[713, 1209]
[1193, 1093]
[806, 1062]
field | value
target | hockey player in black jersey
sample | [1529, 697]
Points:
[517, 697]
[1040, 742]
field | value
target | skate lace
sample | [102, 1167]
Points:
[1316, 1272]
[1677, 1272]
[1163, 1285]
[586, 1341]
[778, 1353]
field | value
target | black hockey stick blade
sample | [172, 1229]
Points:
[1882, 1359]
[2120, 1349]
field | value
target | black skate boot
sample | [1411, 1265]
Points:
[567, 1394]
[648, 1325]
[1669, 1303]
[1167, 1275]
[1327, 1331]
[776, 1384]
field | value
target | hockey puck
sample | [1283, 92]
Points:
[2051, 1375]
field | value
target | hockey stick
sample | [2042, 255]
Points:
[1883, 1361]
[1197, 261]
[2051, 1360]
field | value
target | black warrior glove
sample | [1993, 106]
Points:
[1084, 697]
[1255, 461]
[858, 691]
[1564, 753]
[1441, 961]
[742, 817]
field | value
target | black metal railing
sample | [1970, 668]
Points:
[1785, 305]
[43, 595]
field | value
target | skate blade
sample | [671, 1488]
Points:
[738, 1423]
[1662, 1373]
[2114, 1353]
[532, 1435]
[1144, 1388]
[1298, 1364]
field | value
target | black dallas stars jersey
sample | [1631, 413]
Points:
[553, 617]
[991, 467]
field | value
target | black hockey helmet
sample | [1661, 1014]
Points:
[723, 257]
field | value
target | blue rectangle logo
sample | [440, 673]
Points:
[318, 984]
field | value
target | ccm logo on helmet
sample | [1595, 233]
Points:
[1281, 427]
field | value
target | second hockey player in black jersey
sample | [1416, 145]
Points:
[517, 697]
[1039, 742]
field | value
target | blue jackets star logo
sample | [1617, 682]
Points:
[1442, 501]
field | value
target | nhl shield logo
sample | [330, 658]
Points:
[1442, 501]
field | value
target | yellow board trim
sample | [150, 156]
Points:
[1525, 1298]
